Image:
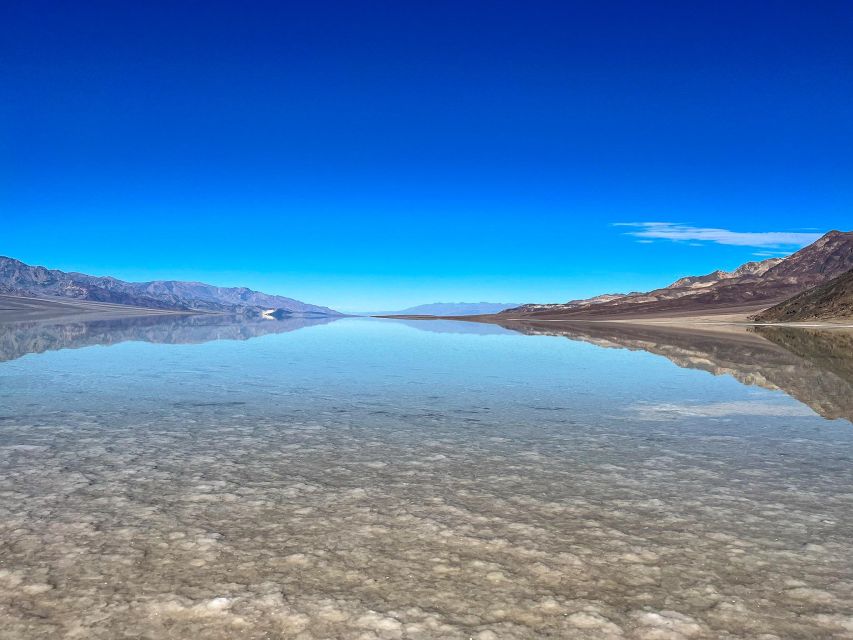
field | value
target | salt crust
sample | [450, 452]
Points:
[253, 526]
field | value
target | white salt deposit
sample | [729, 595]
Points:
[146, 528]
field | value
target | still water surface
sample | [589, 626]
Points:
[205, 478]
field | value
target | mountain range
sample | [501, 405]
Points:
[20, 279]
[815, 283]
[753, 286]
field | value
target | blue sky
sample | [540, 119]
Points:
[384, 154]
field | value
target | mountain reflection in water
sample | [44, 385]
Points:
[814, 366]
[20, 339]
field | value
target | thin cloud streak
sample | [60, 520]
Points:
[677, 232]
[772, 254]
[675, 411]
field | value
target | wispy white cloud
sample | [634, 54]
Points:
[771, 254]
[677, 232]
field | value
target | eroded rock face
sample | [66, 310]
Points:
[830, 301]
[22, 279]
[750, 269]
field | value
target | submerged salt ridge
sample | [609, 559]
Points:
[267, 527]
[374, 510]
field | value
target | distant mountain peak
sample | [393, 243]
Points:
[754, 268]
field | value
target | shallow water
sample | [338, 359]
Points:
[369, 479]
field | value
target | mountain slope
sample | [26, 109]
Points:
[571, 305]
[18, 278]
[752, 285]
[745, 270]
[683, 287]
[830, 301]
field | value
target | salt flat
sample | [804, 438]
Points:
[365, 479]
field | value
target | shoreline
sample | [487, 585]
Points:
[699, 320]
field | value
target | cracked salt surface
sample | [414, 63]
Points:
[365, 480]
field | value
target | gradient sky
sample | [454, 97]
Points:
[376, 155]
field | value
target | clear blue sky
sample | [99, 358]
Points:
[381, 154]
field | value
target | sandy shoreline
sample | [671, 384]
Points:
[720, 318]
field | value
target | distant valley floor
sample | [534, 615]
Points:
[739, 314]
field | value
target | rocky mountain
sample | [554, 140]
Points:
[753, 285]
[17, 278]
[571, 305]
[830, 301]
[745, 270]
[681, 287]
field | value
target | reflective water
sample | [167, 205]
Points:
[209, 478]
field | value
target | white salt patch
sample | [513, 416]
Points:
[218, 604]
[23, 448]
[666, 625]
[35, 589]
[594, 621]
[818, 596]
